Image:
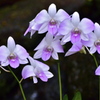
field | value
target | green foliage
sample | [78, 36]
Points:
[77, 96]
[65, 97]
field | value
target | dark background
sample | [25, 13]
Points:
[77, 71]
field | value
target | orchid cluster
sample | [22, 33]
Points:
[60, 28]
[15, 54]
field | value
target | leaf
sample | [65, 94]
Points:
[65, 97]
[77, 96]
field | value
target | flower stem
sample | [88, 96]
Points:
[24, 98]
[60, 85]
[99, 76]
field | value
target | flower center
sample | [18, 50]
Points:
[97, 43]
[49, 49]
[76, 32]
[52, 22]
[12, 57]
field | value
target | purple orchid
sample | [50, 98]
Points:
[36, 70]
[48, 21]
[13, 54]
[81, 45]
[75, 30]
[48, 47]
[96, 40]
[33, 27]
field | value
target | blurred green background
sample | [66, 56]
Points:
[77, 71]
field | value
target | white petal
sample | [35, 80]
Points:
[43, 28]
[61, 15]
[92, 50]
[38, 54]
[11, 44]
[21, 52]
[52, 10]
[75, 18]
[5, 63]
[55, 55]
[41, 65]
[48, 74]
[49, 38]
[35, 79]
[57, 46]
[28, 71]
[97, 30]
[42, 17]
[86, 25]
[41, 45]
[24, 61]
[66, 38]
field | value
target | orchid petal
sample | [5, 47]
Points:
[11, 44]
[46, 55]
[48, 74]
[97, 29]
[43, 66]
[52, 29]
[27, 71]
[92, 50]
[42, 17]
[5, 63]
[42, 76]
[55, 55]
[21, 52]
[75, 19]
[4, 53]
[61, 15]
[98, 49]
[66, 39]
[38, 54]
[28, 30]
[41, 45]
[84, 37]
[23, 61]
[49, 38]
[86, 25]
[52, 10]
[97, 71]
[57, 46]
[35, 79]
[14, 63]
[74, 49]
[43, 28]
[65, 27]
[75, 38]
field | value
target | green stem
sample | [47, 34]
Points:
[99, 76]
[24, 98]
[60, 85]
[95, 60]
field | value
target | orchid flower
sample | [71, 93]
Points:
[13, 54]
[36, 70]
[81, 45]
[48, 21]
[96, 40]
[48, 47]
[33, 27]
[75, 30]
